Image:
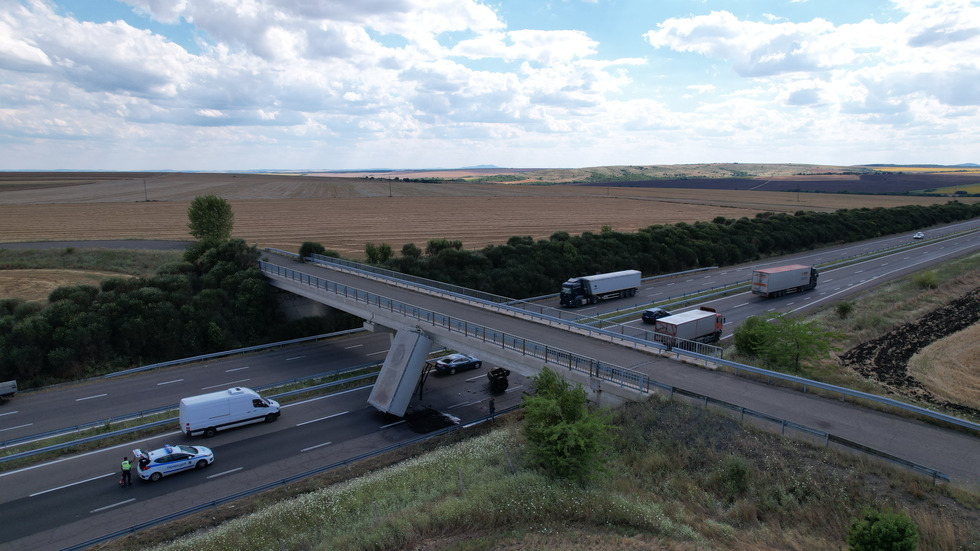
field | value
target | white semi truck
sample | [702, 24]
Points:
[703, 325]
[782, 280]
[208, 413]
[579, 291]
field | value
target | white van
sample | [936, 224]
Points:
[208, 413]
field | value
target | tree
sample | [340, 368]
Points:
[565, 438]
[377, 254]
[210, 218]
[310, 248]
[782, 343]
[879, 530]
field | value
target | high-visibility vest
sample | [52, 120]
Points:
[125, 465]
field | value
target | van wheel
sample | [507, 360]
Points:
[155, 476]
[210, 431]
[201, 464]
[271, 417]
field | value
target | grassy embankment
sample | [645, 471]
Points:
[888, 306]
[679, 478]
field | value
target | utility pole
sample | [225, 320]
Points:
[145, 195]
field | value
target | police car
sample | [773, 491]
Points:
[171, 459]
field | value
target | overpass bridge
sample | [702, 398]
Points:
[615, 370]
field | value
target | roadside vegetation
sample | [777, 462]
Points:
[124, 262]
[212, 298]
[673, 477]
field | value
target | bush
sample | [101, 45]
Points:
[926, 280]
[878, 530]
[309, 248]
[564, 437]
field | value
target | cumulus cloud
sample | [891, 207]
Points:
[387, 76]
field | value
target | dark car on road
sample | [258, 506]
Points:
[651, 315]
[456, 362]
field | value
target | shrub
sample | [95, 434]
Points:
[878, 530]
[565, 438]
[926, 280]
[310, 248]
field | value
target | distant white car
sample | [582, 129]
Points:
[918, 235]
[168, 460]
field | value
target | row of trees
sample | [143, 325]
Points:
[215, 299]
[524, 267]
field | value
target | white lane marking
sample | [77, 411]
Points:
[291, 404]
[236, 369]
[69, 458]
[170, 382]
[315, 447]
[322, 418]
[216, 475]
[90, 397]
[72, 484]
[393, 424]
[655, 294]
[738, 305]
[463, 404]
[113, 505]
[294, 358]
[8, 413]
[376, 353]
[353, 346]
[17, 427]
[225, 385]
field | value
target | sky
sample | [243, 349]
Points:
[366, 84]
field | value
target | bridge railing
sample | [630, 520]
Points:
[548, 354]
[639, 381]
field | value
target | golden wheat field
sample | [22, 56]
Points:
[344, 214]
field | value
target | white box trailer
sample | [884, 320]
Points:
[208, 413]
[7, 389]
[781, 280]
[578, 291]
[703, 325]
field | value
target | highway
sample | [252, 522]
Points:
[86, 501]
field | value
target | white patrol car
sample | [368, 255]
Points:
[171, 459]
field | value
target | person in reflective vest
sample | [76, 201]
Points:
[125, 472]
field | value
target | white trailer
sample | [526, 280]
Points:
[578, 291]
[776, 282]
[704, 325]
[208, 413]
[7, 389]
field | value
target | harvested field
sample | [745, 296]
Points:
[950, 368]
[36, 285]
[343, 214]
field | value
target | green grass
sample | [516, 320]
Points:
[129, 262]
[679, 478]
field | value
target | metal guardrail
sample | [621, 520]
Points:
[616, 374]
[130, 430]
[828, 438]
[556, 356]
[234, 352]
[143, 413]
[282, 482]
